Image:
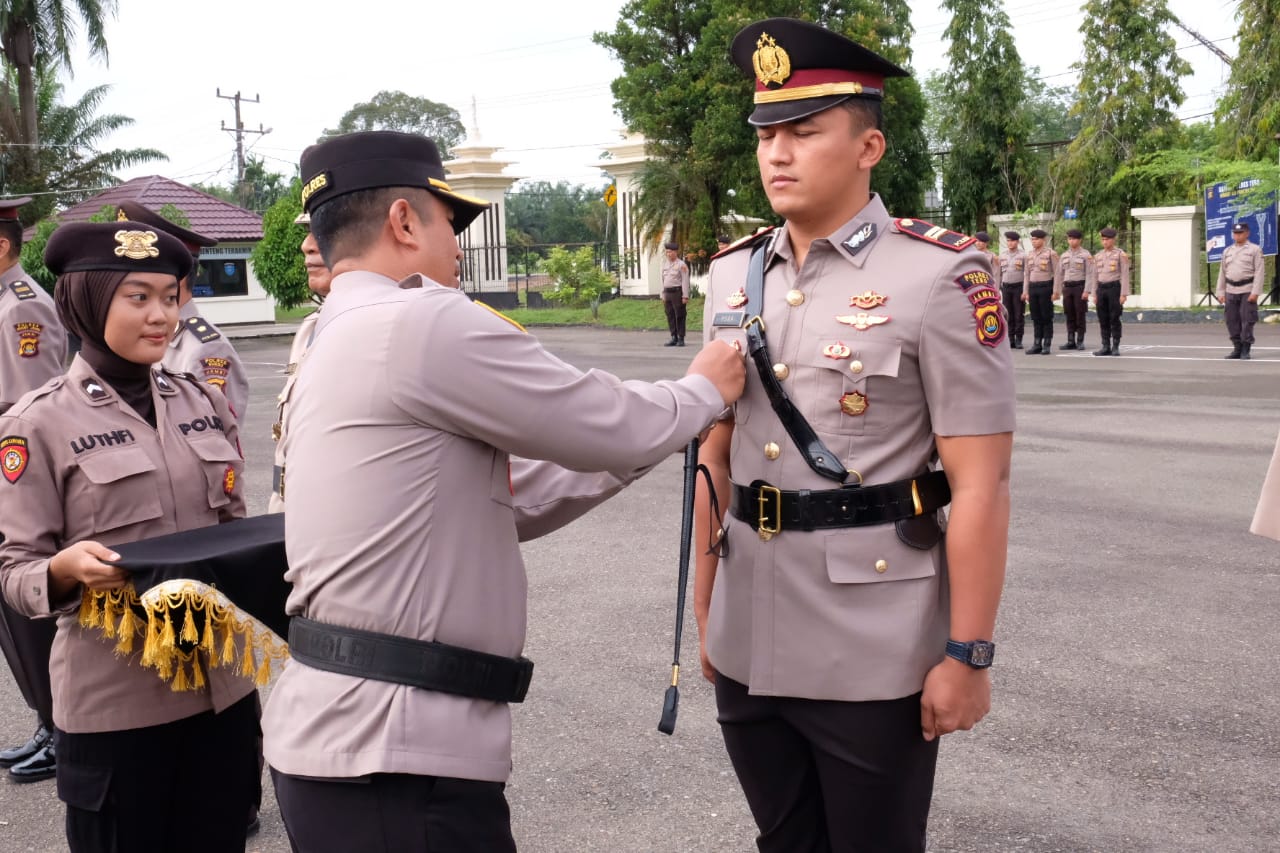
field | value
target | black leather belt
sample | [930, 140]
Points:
[1017, 283]
[772, 510]
[1108, 283]
[1047, 281]
[417, 663]
[1072, 283]
[1241, 283]
[277, 480]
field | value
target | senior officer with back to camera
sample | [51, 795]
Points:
[427, 414]
[843, 630]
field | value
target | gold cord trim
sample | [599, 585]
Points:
[819, 90]
[211, 627]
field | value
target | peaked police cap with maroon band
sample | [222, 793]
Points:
[125, 246]
[801, 69]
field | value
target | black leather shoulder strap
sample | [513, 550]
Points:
[820, 459]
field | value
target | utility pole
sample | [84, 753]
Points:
[1217, 51]
[239, 130]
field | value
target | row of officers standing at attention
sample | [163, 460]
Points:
[1041, 277]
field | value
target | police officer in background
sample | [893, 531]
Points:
[843, 630]
[1240, 286]
[32, 351]
[1013, 265]
[1109, 290]
[675, 293]
[1038, 291]
[983, 241]
[1075, 268]
[197, 346]
[318, 278]
[408, 499]
[723, 242]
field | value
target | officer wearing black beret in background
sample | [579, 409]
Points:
[1038, 291]
[1075, 268]
[1013, 272]
[983, 242]
[844, 631]
[675, 292]
[1110, 289]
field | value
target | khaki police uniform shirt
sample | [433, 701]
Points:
[1042, 268]
[1073, 265]
[1241, 263]
[1013, 268]
[411, 437]
[675, 274]
[33, 344]
[200, 349]
[997, 268]
[80, 463]
[1266, 519]
[301, 342]
[853, 614]
[1110, 265]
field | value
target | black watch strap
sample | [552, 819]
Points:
[976, 653]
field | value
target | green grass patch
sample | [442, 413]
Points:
[637, 314]
[293, 315]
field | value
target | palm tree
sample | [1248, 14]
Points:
[70, 166]
[37, 34]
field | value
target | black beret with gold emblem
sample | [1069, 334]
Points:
[1075, 234]
[1012, 235]
[802, 69]
[380, 158]
[1240, 228]
[125, 246]
[131, 211]
[1108, 232]
[1039, 233]
[982, 237]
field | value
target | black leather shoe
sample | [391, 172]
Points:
[19, 754]
[670, 343]
[43, 765]
[680, 342]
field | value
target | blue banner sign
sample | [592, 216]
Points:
[1223, 208]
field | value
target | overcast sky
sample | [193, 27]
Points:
[541, 87]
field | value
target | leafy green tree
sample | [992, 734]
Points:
[277, 258]
[1127, 96]
[71, 164]
[32, 256]
[579, 280]
[541, 213]
[38, 34]
[1249, 113]
[227, 194]
[985, 126]
[394, 110]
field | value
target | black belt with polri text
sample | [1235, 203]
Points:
[416, 663]
[772, 510]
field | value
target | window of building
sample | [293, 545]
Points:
[221, 277]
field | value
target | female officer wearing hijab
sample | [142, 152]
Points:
[112, 452]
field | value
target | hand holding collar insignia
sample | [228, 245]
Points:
[137, 245]
[772, 64]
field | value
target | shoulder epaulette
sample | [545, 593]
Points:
[23, 290]
[202, 329]
[36, 394]
[495, 312]
[935, 234]
[749, 240]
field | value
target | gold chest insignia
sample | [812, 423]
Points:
[868, 299]
[771, 62]
[862, 320]
[136, 245]
[737, 299]
[838, 350]
[854, 403]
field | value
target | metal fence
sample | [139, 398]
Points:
[526, 285]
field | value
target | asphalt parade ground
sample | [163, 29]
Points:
[1135, 686]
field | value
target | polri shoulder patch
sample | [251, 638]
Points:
[495, 312]
[202, 329]
[749, 240]
[23, 290]
[935, 234]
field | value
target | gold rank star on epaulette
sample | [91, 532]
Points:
[935, 234]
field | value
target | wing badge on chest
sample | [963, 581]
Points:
[862, 320]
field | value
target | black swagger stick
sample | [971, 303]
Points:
[671, 702]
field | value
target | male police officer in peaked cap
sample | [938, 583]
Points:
[411, 439]
[844, 632]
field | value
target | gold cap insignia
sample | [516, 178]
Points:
[862, 320]
[854, 403]
[868, 299]
[136, 245]
[121, 216]
[772, 64]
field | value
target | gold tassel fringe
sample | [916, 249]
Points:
[247, 646]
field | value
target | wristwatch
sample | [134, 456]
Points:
[977, 653]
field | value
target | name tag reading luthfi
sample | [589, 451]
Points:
[728, 319]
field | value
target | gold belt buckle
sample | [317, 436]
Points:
[767, 532]
[915, 499]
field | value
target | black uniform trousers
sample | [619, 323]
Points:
[1041, 300]
[185, 785]
[677, 311]
[1075, 307]
[1242, 315]
[26, 644]
[1014, 308]
[394, 813]
[1109, 309]
[830, 777]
